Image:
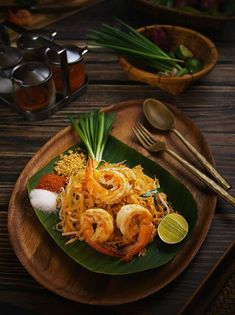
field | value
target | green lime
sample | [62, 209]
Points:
[182, 72]
[173, 228]
[193, 65]
[182, 52]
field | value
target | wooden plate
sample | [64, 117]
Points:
[53, 269]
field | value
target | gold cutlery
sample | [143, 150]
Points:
[160, 117]
[153, 145]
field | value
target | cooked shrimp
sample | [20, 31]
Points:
[143, 182]
[105, 185]
[97, 226]
[126, 171]
[135, 223]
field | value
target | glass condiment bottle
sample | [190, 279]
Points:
[75, 68]
[34, 45]
[9, 58]
[33, 86]
[4, 36]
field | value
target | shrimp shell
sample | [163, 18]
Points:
[135, 223]
[96, 180]
[97, 226]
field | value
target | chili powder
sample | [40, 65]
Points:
[51, 182]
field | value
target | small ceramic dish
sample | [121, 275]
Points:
[202, 48]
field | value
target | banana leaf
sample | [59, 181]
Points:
[158, 253]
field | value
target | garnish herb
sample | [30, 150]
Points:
[135, 45]
[93, 129]
[155, 200]
[150, 193]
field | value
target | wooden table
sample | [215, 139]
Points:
[209, 102]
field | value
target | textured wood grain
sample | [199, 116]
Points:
[209, 103]
[37, 252]
[28, 296]
[222, 271]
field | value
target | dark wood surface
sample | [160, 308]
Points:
[209, 103]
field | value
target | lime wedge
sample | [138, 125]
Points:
[193, 65]
[173, 228]
[182, 52]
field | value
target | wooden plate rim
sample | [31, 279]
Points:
[41, 277]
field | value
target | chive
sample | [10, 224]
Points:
[93, 129]
[134, 45]
[155, 200]
[136, 39]
[150, 193]
[139, 52]
[82, 135]
[143, 38]
[100, 136]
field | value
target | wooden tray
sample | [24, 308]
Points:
[215, 294]
[53, 269]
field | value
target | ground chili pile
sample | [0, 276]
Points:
[51, 182]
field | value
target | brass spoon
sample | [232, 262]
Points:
[160, 117]
[153, 145]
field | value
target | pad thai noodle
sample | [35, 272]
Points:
[113, 208]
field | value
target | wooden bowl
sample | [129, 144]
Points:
[200, 46]
[179, 17]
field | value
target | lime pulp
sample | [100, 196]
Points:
[182, 52]
[173, 228]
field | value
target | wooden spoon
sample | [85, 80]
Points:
[160, 117]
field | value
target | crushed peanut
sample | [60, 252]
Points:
[69, 164]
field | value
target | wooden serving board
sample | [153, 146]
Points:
[46, 262]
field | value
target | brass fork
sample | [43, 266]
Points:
[153, 145]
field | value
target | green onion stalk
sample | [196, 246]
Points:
[134, 45]
[93, 128]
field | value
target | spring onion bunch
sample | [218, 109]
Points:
[93, 129]
[134, 45]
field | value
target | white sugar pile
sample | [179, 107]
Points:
[43, 200]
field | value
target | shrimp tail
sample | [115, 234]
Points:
[144, 238]
[89, 173]
[106, 249]
[97, 227]
[90, 183]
